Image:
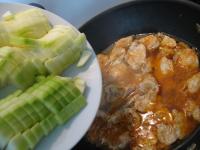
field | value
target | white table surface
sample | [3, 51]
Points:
[77, 12]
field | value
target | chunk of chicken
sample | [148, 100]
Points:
[111, 93]
[121, 142]
[136, 55]
[124, 140]
[146, 137]
[102, 59]
[134, 119]
[168, 41]
[196, 114]
[149, 84]
[193, 83]
[147, 93]
[193, 110]
[180, 121]
[117, 55]
[151, 42]
[124, 42]
[186, 58]
[146, 147]
[119, 73]
[113, 136]
[166, 66]
[166, 51]
[166, 134]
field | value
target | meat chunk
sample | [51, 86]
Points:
[133, 117]
[124, 42]
[166, 66]
[151, 42]
[111, 129]
[149, 85]
[146, 138]
[124, 140]
[147, 93]
[166, 134]
[146, 147]
[193, 83]
[103, 59]
[119, 73]
[111, 93]
[196, 114]
[193, 110]
[189, 107]
[166, 51]
[136, 55]
[168, 41]
[117, 55]
[179, 123]
[186, 58]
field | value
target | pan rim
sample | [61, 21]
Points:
[136, 2]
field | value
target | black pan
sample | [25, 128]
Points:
[175, 17]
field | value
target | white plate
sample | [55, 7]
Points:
[66, 136]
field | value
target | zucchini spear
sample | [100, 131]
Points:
[52, 101]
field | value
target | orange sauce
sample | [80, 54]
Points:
[172, 95]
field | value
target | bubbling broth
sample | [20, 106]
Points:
[151, 94]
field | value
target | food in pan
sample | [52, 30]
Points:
[151, 93]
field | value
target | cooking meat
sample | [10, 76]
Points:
[168, 41]
[151, 42]
[180, 122]
[118, 72]
[146, 147]
[117, 55]
[186, 58]
[166, 51]
[147, 91]
[102, 60]
[136, 55]
[151, 95]
[111, 93]
[166, 66]
[166, 134]
[193, 110]
[147, 137]
[124, 42]
[193, 83]
[196, 114]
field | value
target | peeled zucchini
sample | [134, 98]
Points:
[51, 54]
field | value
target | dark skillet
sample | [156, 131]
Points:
[175, 17]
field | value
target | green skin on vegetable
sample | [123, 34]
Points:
[36, 111]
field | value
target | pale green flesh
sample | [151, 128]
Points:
[30, 50]
[37, 111]
[36, 58]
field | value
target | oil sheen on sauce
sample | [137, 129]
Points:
[171, 98]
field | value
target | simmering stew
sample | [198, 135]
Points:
[151, 93]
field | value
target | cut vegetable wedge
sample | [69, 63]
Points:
[26, 117]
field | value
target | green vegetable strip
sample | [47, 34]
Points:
[32, 114]
[30, 138]
[6, 133]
